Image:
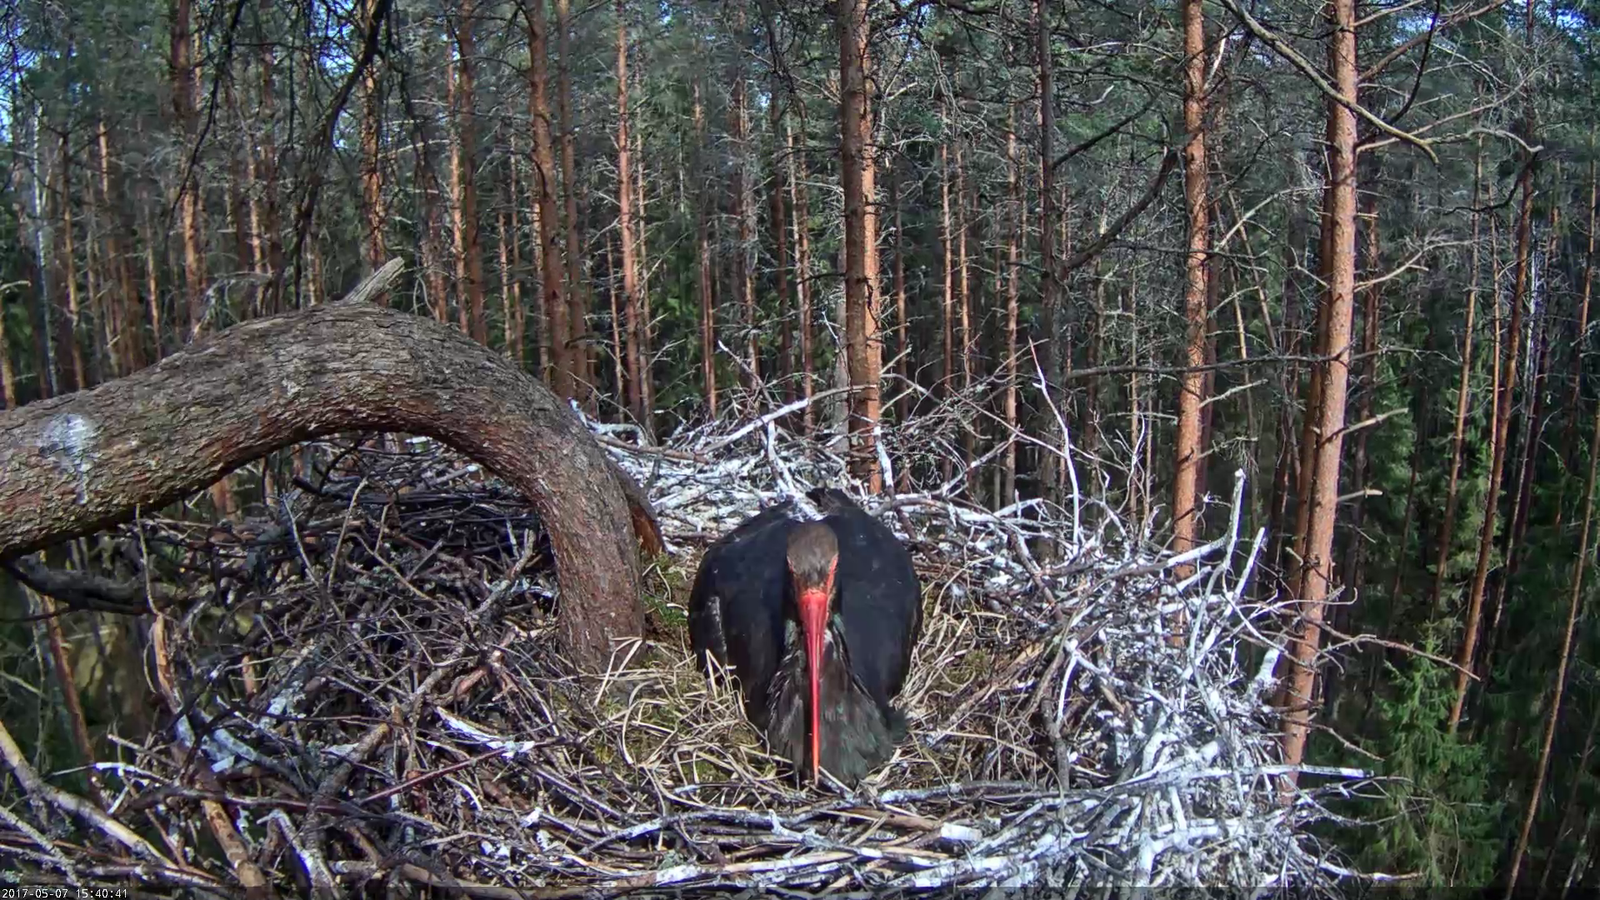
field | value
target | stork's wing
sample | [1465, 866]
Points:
[880, 600]
[736, 604]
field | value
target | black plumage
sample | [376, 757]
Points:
[746, 611]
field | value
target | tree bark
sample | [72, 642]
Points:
[1491, 501]
[1049, 288]
[743, 208]
[544, 168]
[902, 322]
[858, 162]
[708, 319]
[1185, 493]
[1580, 565]
[1447, 526]
[947, 342]
[131, 355]
[86, 461]
[372, 207]
[69, 267]
[579, 352]
[464, 172]
[1008, 485]
[185, 108]
[802, 266]
[265, 206]
[1321, 500]
[626, 229]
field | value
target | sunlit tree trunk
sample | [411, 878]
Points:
[1008, 484]
[708, 321]
[1463, 393]
[857, 159]
[1185, 483]
[619, 357]
[798, 193]
[647, 337]
[1049, 287]
[1469, 642]
[947, 318]
[1314, 579]
[633, 326]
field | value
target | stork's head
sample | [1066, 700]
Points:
[813, 559]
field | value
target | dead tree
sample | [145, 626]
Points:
[85, 461]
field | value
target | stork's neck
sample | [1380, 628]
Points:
[854, 734]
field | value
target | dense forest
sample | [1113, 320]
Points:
[1344, 247]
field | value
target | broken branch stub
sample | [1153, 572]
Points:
[82, 462]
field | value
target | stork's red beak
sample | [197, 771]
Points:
[813, 603]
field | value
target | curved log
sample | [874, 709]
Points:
[82, 462]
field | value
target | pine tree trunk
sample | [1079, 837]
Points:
[1008, 484]
[1507, 385]
[708, 321]
[802, 263]
[1049, 286]
[613, 288]
[780, 251]
[1321, 499]
[964, 283]
[8, 376]
[1580, 565]
[510, 300]
[69, 267]
[264, 201]
[544, 164]
[947, 307]
[902, 323]
[1447, 526]
[1185, 483]
[647, 382]
[130, 335]
[857, 160]
[464, 171]
[1571, 807]
[185, 108]
[625, 226]
[1582, 342]
[743, 213]
[372, 206]
[1368, 386]
[580, 353]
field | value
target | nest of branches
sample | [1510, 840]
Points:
[361, 688]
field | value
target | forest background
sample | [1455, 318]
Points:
[1347, 248]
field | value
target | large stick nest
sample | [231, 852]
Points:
[365, 676]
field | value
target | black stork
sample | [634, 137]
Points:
[817, 620]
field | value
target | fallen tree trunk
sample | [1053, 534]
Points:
[83, 462]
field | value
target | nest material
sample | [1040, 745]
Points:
[369, 684]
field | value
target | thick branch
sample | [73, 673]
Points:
[82, 462]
